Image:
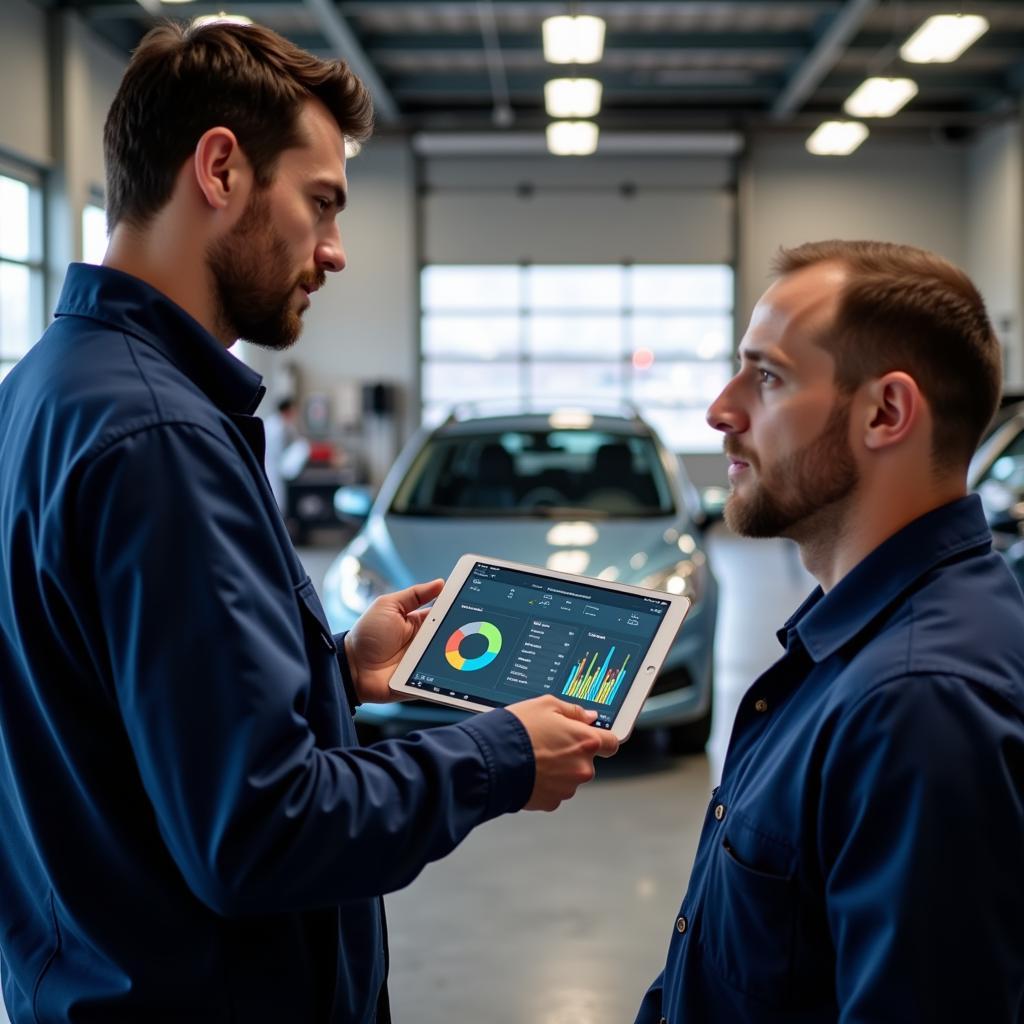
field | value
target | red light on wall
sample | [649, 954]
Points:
[643, 359]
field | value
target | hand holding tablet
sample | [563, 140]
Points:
[503, 632]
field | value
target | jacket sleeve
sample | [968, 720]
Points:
[208, 666]
[922, 840]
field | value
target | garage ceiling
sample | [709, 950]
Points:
[669, 65]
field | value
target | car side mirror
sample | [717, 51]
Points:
[353, 503]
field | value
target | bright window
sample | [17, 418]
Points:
[658, 336]
[94, 234]
[21, 269]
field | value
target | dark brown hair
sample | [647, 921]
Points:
[907, 309]
[183, 80]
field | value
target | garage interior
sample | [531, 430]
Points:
[485, 273]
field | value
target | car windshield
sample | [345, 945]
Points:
[537, 473]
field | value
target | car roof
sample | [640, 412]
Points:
[555, 419]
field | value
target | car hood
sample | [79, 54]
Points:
[409, 549]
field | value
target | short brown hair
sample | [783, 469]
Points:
[907, 309]
[183, 80]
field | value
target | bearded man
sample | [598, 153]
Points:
[860, 861]
[191, 830]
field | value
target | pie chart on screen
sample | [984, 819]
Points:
[487, 631]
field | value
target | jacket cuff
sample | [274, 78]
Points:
[346, 672]
[508, 753]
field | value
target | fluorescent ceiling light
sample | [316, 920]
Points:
[836, 138]
[215, 19]
[943, 38]
[573, 39]
[572, 97]
[880, 97]
[572, 138]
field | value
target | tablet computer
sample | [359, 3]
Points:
[502, 632]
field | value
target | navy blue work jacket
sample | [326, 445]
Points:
[191, 831]
[862, 860]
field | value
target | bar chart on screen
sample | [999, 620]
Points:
[599, 673]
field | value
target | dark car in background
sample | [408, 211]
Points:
[997, 474]
[595, 494]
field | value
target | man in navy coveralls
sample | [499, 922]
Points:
[190, 828]
[862, 860]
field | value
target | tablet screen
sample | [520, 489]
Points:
[510, 635]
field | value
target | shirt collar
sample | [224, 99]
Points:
[826, 622]
[129, 304]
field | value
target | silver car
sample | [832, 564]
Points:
[596, 494]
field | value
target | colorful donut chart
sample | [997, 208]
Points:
[485, 629]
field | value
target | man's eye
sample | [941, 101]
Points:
[322, 203]
[766, 377]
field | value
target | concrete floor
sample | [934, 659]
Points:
[564, 918]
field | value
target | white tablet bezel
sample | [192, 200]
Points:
[639, 688]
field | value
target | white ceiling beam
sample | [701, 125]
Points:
[340, 35]
[822, 58]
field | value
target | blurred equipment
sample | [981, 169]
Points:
[380, 428]
[286, 449]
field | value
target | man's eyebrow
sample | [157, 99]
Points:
[340, 195]
[758, 356]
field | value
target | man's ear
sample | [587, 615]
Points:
[222, 171]
[894, 410]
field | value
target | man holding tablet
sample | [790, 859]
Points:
[191, 830]
[861, 860]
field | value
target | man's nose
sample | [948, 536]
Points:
[724, 414]
[330, 253]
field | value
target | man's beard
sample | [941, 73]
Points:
[803, 492]
[246, 265]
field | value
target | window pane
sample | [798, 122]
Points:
[576, 382]
[452, 383]
[575, 335]
[94, 234]
[683, 430]
[702, 337]
[17, 324]
[14, 219]
[574, 287]
[479, 337]
[670, 383]
[692, 287]
[452, 287]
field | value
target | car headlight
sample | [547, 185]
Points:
[357, 585]
[686, 577]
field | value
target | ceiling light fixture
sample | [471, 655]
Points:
[572, 97]
[942, 38]
[573, 39]
[880, 97]
[572, 138]
[836, 138]
[216, 19]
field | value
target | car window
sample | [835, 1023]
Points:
[537, 473]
